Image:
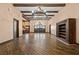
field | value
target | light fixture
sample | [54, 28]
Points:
[39, 12]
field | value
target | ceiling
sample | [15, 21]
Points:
[50, 10]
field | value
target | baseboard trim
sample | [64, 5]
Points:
[62, 40]
[34, 32]
[6, 41]
[9, 40]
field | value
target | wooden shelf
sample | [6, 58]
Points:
[67, 30]
[62, 37]
[62, 33]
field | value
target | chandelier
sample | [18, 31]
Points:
[39, 12]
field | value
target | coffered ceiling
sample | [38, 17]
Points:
[39, 11]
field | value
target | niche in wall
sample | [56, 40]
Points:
[66, 30]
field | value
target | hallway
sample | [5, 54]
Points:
[25, 29]
[38, 44]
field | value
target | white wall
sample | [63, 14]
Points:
[7, 13]
[53, 29]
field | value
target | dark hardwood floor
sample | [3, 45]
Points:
[38, 44]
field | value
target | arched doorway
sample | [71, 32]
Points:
[39, 28]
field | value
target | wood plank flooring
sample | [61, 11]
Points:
[38, 44]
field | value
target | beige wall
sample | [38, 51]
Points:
[34, 22]
[70, 11]
[7, 13]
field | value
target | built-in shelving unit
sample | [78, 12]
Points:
[66, 30]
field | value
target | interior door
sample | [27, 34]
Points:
[15, 28]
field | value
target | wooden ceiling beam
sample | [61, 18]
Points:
[43, 5]
[26, 11]
[51, 11]
[46, 11]
[39, 15]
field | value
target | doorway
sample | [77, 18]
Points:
[50, 29]
[25, 26]
[39, 28]
[15, 28]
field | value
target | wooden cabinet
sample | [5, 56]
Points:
[66, 30]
